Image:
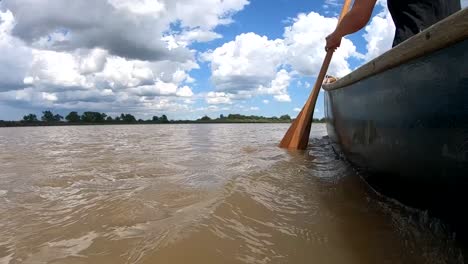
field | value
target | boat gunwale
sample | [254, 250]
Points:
[445, 33]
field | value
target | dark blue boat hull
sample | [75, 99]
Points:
[406, 129]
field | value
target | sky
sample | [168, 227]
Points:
[182, 58]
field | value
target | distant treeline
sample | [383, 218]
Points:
[74, 118]
[237, 118]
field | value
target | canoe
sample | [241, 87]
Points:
[402, 118]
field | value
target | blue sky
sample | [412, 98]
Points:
[184, 58]
[269, 19]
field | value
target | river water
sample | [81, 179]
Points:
[222, 193]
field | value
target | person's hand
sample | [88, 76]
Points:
[333, 42]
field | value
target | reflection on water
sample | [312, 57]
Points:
[196, 194]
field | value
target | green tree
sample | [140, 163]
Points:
[285, 117]
[30, 118]
[58, 118]
[163, 119]
[128, 118]
[47, 116]
[205, 118]
[73, 117]
[155, 119]
[109, 119]
[93, 117]
[221, 116]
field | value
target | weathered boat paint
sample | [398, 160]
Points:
[406, 129]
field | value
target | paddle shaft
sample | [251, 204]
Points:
[299, 131]
[297, 136]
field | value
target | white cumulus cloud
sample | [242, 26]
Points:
[379, 33]
[119, 54]
[257, 65]
[278, 87]
[245, 63]
[214, 98]
[305, 42]
[15, 58]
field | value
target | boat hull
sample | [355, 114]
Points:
[406, 129]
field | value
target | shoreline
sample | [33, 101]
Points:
[47, 124]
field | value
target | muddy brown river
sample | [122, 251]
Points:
[222, 193]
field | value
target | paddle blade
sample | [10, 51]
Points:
[286, 141]
[298, 134]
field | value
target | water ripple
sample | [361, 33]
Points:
[198, 194]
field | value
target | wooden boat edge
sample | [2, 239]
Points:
[447, 32]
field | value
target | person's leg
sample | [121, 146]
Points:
[414, 16]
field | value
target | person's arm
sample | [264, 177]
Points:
[353, 21]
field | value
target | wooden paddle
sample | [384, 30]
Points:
[297, 136]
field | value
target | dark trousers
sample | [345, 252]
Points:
[414, 16]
